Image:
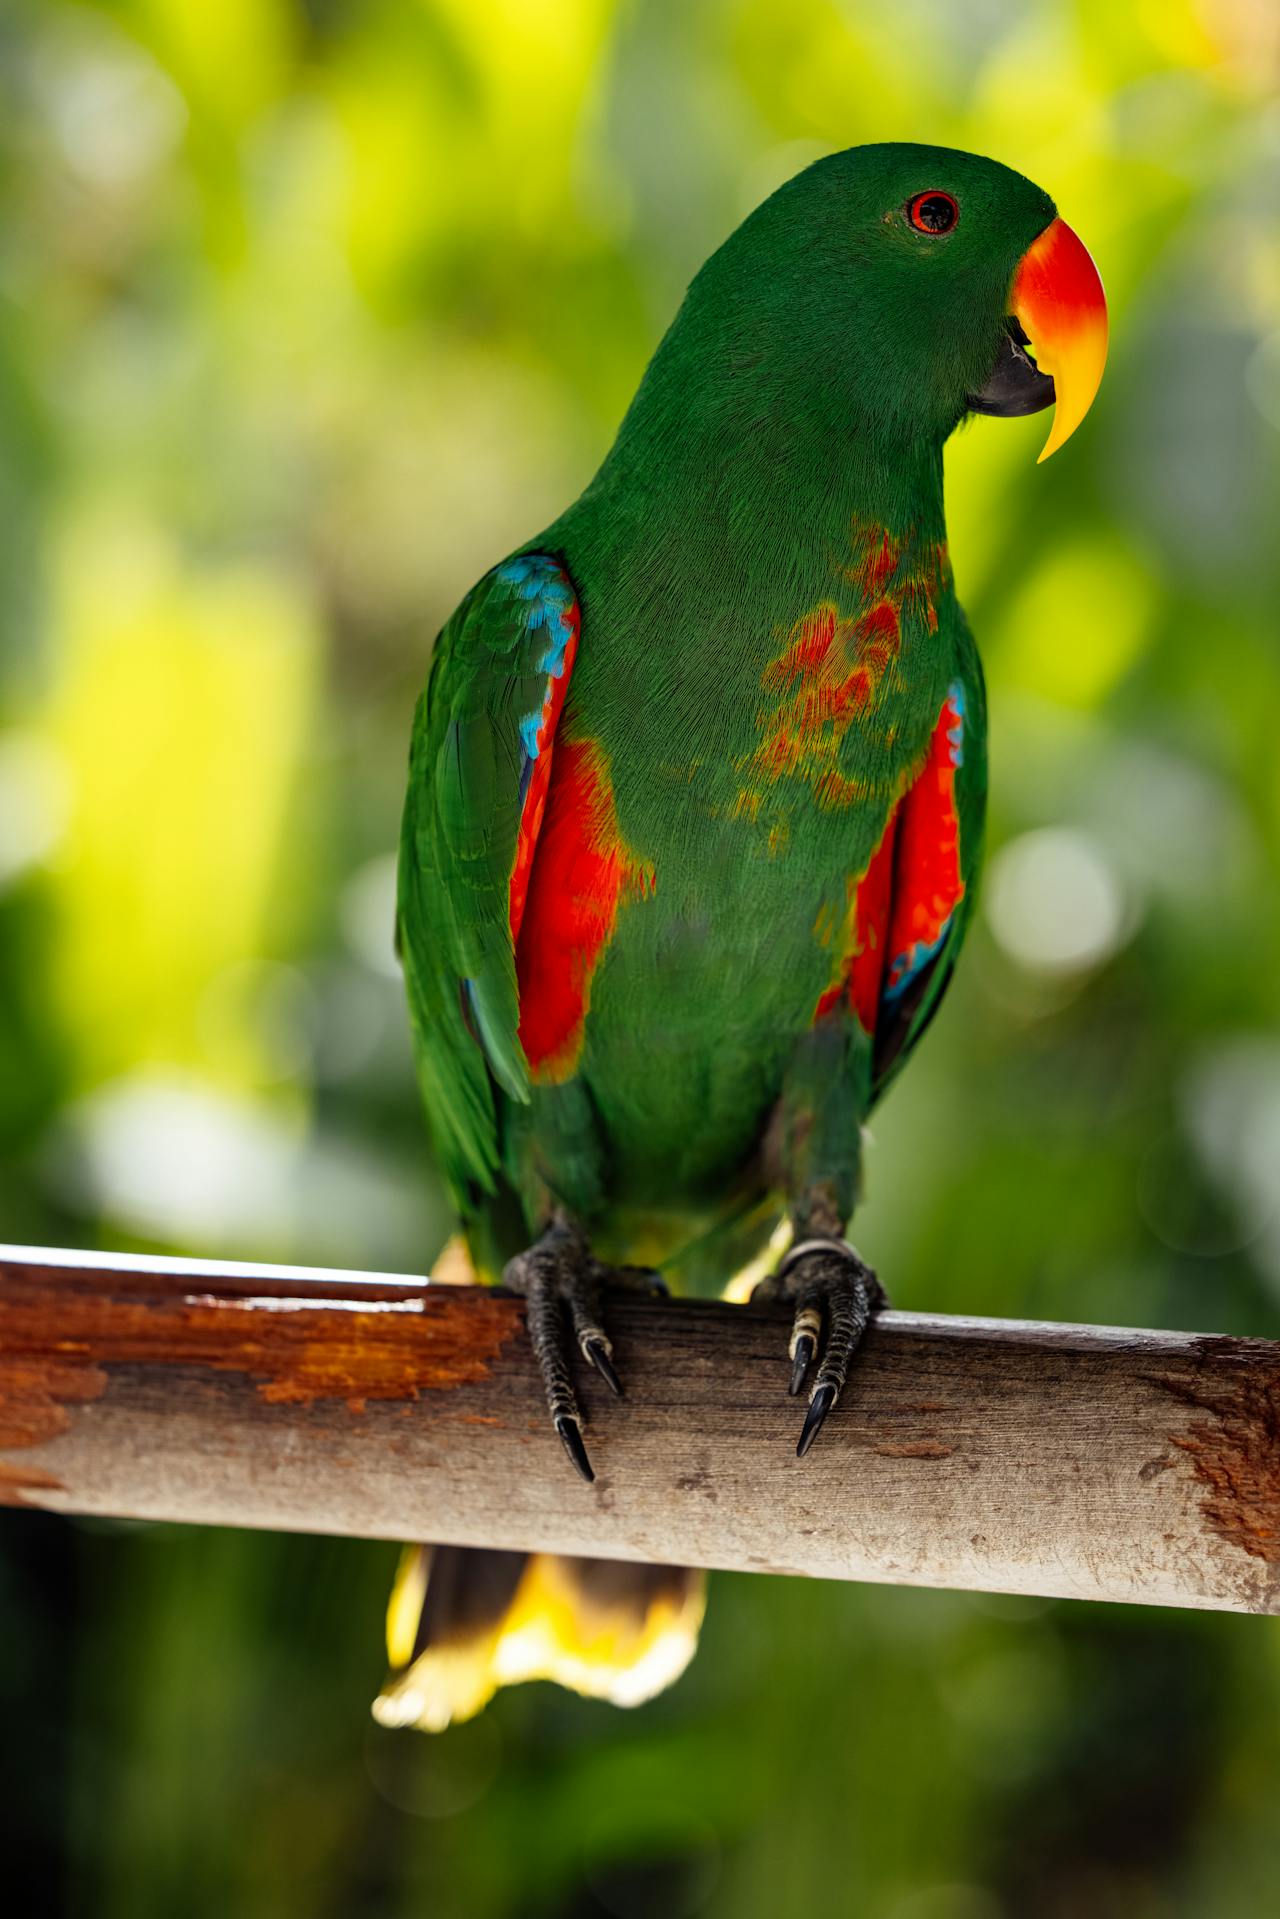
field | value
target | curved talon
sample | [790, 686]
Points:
[562, 1284]
[571, 1439]
[597, 1352]
[834, 1296]
[824, 1398]
[802, 1358]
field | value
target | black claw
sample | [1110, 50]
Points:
[819, 1406]
[599, 1357]
[806, 1347]
[571, 1440]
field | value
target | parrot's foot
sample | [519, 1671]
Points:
[556, 1274]
[815, 1273]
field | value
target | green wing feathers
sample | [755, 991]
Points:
[479, 763]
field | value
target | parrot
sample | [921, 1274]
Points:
[693, 831]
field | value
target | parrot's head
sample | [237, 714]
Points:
[910, 285]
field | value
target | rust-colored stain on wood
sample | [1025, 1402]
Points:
[1236, 1451]
[61, 1332]
[36, 1388]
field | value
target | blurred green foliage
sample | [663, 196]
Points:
[307, 313]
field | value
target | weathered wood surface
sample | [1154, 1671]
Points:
[998, 1455]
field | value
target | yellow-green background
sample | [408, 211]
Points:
[307, 313]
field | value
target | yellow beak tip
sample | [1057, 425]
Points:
[1057, 296]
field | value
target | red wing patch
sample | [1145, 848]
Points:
[860, 965]
[901, 905]
[582, 874]
[927, 882]
[538, 765]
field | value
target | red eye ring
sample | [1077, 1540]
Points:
[933, 212]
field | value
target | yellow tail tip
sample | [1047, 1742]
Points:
[605, 1630]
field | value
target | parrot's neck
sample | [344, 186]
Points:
[736, 474]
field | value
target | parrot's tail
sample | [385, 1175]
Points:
[463, 1621]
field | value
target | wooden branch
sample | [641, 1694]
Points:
[1080, 1461]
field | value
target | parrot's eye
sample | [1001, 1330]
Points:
[933, 212]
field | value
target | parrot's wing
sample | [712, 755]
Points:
[933, 845]
[479, 766]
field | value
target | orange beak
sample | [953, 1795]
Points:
[1058, 301]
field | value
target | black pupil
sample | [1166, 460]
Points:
[935, 213]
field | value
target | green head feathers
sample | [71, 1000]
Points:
[868, 303]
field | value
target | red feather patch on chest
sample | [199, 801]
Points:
[833, 663]
[582, 874]
[900, 907]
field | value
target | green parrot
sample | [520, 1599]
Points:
[694, 825]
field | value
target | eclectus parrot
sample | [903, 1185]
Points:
[694, 824]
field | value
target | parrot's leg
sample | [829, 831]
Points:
[558, 1275]
[824, 1279]
[818, 1142]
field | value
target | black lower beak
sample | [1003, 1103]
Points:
[1015, 384]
